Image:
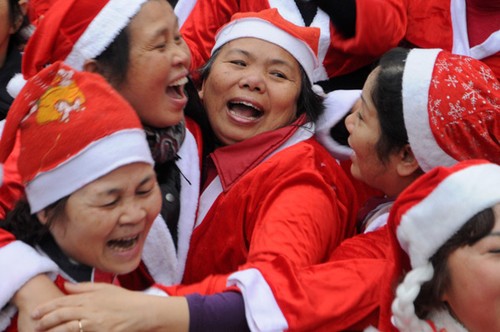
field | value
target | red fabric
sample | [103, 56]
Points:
[430, 26]
[297, 204]
[380, 25]
[12, 188]
[341, 294]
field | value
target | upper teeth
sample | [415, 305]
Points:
[180, 81]
[248, 104]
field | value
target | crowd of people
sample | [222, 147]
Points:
[194, 165]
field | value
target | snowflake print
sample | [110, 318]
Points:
[435, 110]
[435, 82]
[442, 65]
[456, 110]
[485, 74]
[452, 80]
[470, 93]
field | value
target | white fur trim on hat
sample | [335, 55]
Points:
[99, 158]
[338, 104]
[425, 227]
[103, 29]
[417, 78]
[252, 27]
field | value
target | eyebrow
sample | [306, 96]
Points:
[117, 190]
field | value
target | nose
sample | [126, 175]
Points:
[253, 81]
[182, 55]
[132, 213]
[349, 121]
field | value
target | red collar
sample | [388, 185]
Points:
[235, 160]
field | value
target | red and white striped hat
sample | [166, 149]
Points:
[74, 128]
[73, 31]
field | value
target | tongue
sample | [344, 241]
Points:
[174, 92]
[244, 111]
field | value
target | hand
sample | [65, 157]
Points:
[104, 307]
[36, 291]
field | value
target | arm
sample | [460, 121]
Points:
[342, 294]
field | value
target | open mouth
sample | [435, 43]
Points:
[244, 110]
[124, 243]
[176, 89]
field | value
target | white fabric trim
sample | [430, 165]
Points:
[188, 164]
[207, 199]
[261, 309]
[337, 103]
[155, 292]
[95, 160]
[6, 315]
[461, 39]
[417, 78]
[103, 29]
[159, 254]
[305, 132]
[426, 227]
[253, 27]
[19, 262]
[183, 9]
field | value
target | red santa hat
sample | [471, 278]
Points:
[424, 217]
[73, 31]
[269, 25]
[451, 107]
[74, 128]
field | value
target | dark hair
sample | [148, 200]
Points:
[388, 101]
[475, 229]
[26, 227]
[309, 102]
[17, 39]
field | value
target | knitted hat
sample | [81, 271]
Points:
[426, 215]
[74, 128]
[268, 25]
[451, 107]
[73, 31]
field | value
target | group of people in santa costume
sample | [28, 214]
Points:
[262, 219]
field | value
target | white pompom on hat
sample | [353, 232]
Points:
[74, 128]
[428, 213]
[269, 25]
[73, 31]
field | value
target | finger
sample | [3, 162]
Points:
[84, 287]
[57, 318]
[71, 326]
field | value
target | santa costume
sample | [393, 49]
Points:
[56, 159]
[75, 31]
[446, 122]
[277, 193]
[465, 27]
[425, 216]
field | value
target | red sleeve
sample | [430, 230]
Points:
[341, 294]
[11, 189]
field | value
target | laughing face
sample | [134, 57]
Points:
[253, 87]
[105, 223]
[159, 62]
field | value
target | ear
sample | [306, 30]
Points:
[200, 91]
[407, 164]
[91, 65]
[42, 216]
